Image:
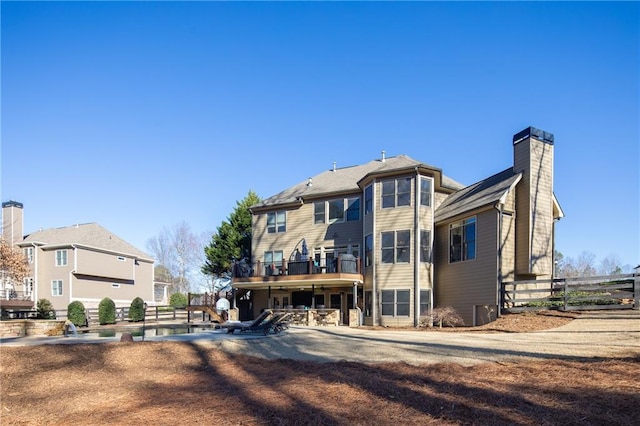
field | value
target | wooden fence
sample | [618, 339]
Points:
[572, 294]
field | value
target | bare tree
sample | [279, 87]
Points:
[14, 266]
[610, 265]
[180, 252]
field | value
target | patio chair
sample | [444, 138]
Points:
[240, 325]
[270, 325]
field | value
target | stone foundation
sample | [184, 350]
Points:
[21, 328]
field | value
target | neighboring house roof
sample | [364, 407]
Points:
[87, 234]
[346, 179]
[486, 192]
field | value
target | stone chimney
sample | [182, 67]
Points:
[533, 157]
[12, 222]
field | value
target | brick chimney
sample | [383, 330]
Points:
[12, 222]
[533, 157]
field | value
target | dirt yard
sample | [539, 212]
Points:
[183, 382]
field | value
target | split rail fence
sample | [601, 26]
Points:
[572, 294]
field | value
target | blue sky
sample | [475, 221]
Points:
[141, 115]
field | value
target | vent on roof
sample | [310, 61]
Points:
[334, 166]
[384, 156]
[310, 182]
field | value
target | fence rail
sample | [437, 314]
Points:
[572, 294]
[158, 313]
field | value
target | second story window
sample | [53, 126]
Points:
[28, 253]
[396, 193]
[336, 211]
[276, 222]
[395, 247]
[56, 288]
[462, 240]
[425, 191]
[339, 210]
[368, 199]
[318, 212]
[425, 246]
[368, 250]
[61, 257]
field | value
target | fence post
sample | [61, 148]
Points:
[565, 295]
[636, 290]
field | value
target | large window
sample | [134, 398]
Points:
[425, 246]
[61, 257]
[339, 210]
[336, 211]
[273, 262]
[353, 209]
[395, 246]
[395, 303]
[462, 240]
[56, 288]
[396, 193]
[425, 191]
[368, 250]
[276, 222]
[318, 212]
[368, 199]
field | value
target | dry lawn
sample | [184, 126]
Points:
[186, 383]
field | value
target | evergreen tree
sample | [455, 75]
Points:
[232, 241]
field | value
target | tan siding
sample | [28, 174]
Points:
[48, 271]
[463, 285]
[104, 265]
[534, 225]
[508, 247]
[96, 290]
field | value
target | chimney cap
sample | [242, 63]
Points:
[541, 135]
[12, 203]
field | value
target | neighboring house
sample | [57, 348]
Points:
[82, 262]
[420, 239]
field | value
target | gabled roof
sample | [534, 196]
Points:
[89, 235]
[486, 192]
[346, 179]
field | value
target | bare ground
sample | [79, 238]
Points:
[182, 382]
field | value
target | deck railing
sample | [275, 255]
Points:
[346, 264]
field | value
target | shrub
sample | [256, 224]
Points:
[44, 309]
[447, 316]
[107, 311]
[178, 300]
[136, 310]
[76, 313]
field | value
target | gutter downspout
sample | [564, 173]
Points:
[374, 284]
[416, 251]
[499, 260]
[75, 268]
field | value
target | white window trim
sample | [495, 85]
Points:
[55, 282]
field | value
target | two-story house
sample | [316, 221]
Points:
[395, 238]
[82, 262]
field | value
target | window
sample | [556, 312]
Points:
[368, 199]
[61, 257]
[340, 210]
[122, 259]
[424, 302]
[462, 240]
[425, 246]
[273, 262]
[276, 222]
[353, 209]
[368, 297]
[336, 211]
[395, 247]
[28, 253]
[318, 212]
[113, 285]
[403, 250]
[28, 285]
[395, 303]
[425, 192]
[56, 288]
[396, 193]
[368, 250]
